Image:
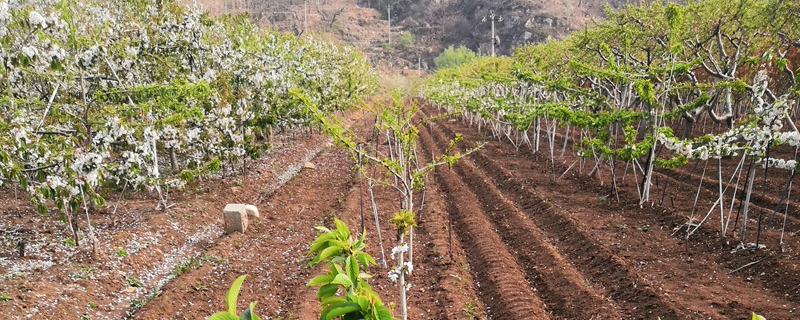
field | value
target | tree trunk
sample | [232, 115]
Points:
[402, 280]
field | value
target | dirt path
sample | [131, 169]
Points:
[273, 250]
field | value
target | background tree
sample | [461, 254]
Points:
[452, 57]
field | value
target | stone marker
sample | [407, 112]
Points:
[252, 211]
[235, 217]
[309, 165]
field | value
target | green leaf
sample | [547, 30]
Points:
[321, 279]
[383, 313]
[233, 294]
[327, 290]
[337, 243]
[343, 279]
[339, 309]
[98, 199]
[342, 228]
[252, 312]
[362, 302]
[758, 317]
[338, 268]
[329, 251]
[363, 238]
[245, 315]
[41, 208]
[223, 315]
[364, 275]
[366, 259]
[331, 300]
[249, 314]
[351, 265]
[321, 241]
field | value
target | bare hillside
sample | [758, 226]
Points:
[433, 24]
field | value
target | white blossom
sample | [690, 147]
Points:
[124, 144]
[4, 14]
[87, 166]
[394, 274]
[30, 51]
[36, 19]
[54, 181]
[399, 249]
[408, 266]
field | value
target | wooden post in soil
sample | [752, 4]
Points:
[748, 192]
[371, 185]
[361, 195]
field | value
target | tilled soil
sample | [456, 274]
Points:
[186, 264]
[505, 233]
[685, 195]
[140, 249]
[629, 258]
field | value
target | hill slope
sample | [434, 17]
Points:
[434, 24]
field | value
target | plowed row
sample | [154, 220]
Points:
[685, 198]
[581, 255]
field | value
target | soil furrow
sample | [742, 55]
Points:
[599, 264]
[564, 290]
[707, 263]
[665, 178]
[696, 265]
[780, 273]
[456, 291]
[498, 274]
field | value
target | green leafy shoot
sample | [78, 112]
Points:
[343, 289]
[231, 303]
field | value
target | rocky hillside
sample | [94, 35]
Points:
[523, 21]
[340, 20]
[432, 24]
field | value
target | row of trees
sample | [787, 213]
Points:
[629, 83]
[150, 94]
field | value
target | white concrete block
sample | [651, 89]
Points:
[235, 217]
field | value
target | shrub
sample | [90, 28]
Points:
[405, 40]
[452, 57]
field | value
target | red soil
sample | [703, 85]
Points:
[501, 236]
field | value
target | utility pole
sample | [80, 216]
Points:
[305, 16]
[389, 14]
[493, 17]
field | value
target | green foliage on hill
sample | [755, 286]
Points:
[453, 57]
